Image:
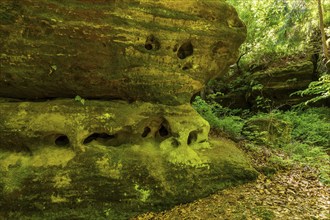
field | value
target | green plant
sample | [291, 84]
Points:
[276, 28]
[264, 213]
[230, 124]
[310, 126]
[79, 99]
[320, 89]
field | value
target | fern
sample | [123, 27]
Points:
[319, 88]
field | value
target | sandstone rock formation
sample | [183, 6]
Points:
[130, 142]
[160, 51]
[106, 160]
[269, 88]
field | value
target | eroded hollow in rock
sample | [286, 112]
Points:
[185, 50]
[187, 66]
[62, 140]
[164, 131]
[192, 137]
[175, 143]
[102, 137]
[152, 43]
[146, 131]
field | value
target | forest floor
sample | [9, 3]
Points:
[293, 192]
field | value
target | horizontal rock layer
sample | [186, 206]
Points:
[68, 159]
[271, 88]
[158, 51]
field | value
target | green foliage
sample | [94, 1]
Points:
[276, 28]
[309, 139]
[310, 126]
[230, 124]
[306, 154]
[303, 134]
[79, 99]
[320, 89]
[264, 213]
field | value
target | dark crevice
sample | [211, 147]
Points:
[185, 50]
[187, 66]
[163, 131]
[25, 149]
[98, 137]
[152, 43]
[175, 143]
[192, 138]
[62, 141]
[146, 131]
[175, 48]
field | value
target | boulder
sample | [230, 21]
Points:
[158, 51]
[108, 159]
[95, 120]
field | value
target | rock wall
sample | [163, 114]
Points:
[159, 51]
[95, 120]
[268, 88]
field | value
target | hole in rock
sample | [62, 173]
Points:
[152, 43]
[192, 138]
[62, 140]
[146, 131]
[187, 66]
[175, 48]
[175, 143]
[163, 132]
[148, 46]
[185, 50]
[98, 137]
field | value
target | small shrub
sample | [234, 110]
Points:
[310, 126]
[230, 124]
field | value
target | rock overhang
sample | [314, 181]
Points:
[117, 51]
[142, 146]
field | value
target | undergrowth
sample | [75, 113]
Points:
[308, 143]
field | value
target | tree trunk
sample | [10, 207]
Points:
[324, 44]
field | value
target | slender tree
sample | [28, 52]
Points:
[325, 49]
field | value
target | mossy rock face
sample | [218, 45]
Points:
[158, 51]
[87, 159]
[109, 160]
[278, 83]
[269, 88]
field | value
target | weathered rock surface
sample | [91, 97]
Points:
[74, 124]
[108, 160]
[270, 88]
[88, 159]
[279, 83]
[159, 51]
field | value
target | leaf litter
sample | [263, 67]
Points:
[292, 192]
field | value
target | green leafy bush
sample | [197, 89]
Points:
[303, 134]
[230, 124]
[320, 88]
[277, 28]
[310, 126]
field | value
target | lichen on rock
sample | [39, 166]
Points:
[95, 119]
[136, 50]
